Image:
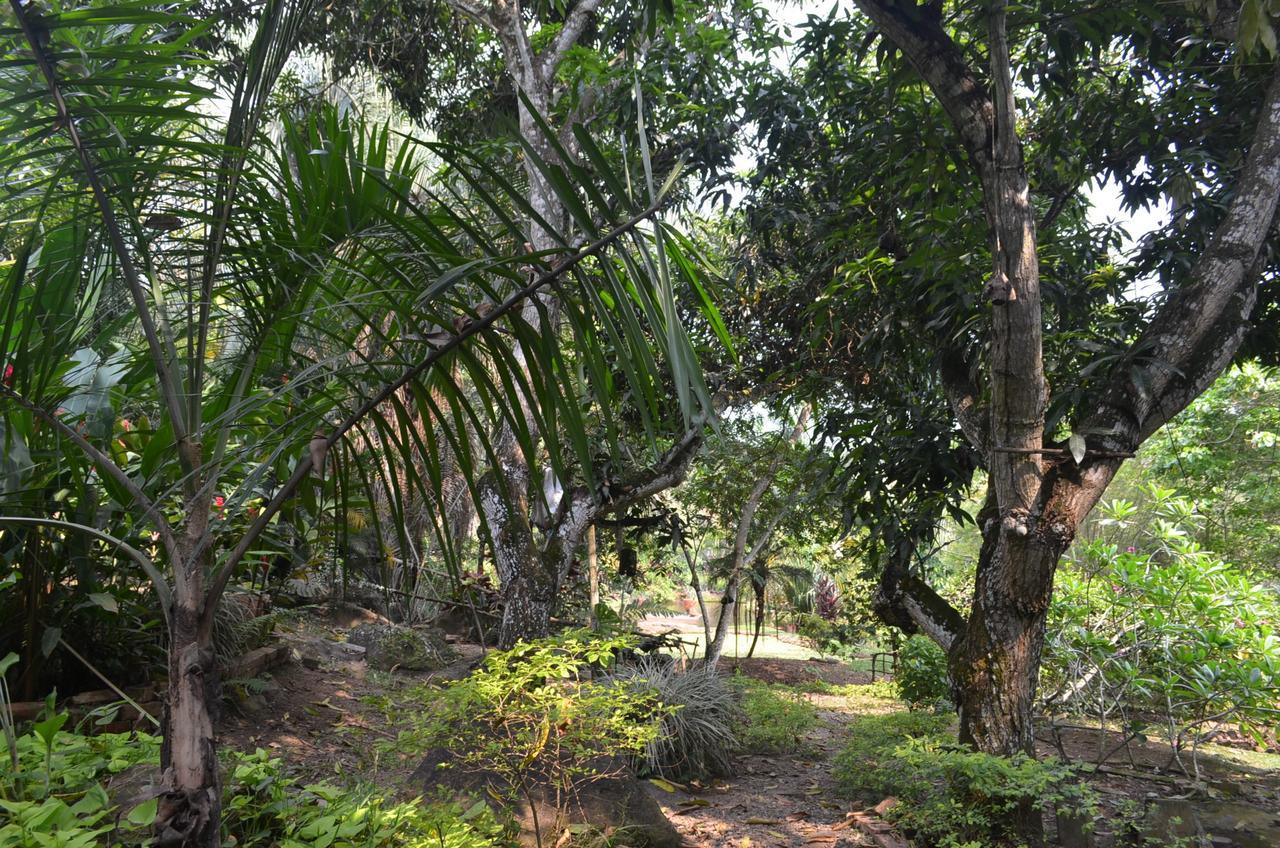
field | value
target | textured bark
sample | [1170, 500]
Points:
[189, 811]
[1037, 501]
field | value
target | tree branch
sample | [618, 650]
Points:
[918, 33]
[905, 601]
[568, 36]
[669, 471]
[1198, 330]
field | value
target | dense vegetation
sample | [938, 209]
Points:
[376, 333]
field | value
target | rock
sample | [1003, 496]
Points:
[314, 652]
[618, 805]
[257, 661]
[394, 646]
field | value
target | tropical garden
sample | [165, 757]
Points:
[480, 423]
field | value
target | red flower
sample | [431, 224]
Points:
[219, 501]
[8, 375]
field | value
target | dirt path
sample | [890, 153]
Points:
[787, 799]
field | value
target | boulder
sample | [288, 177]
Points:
[314, 653]
[394, 646]
[616, 805]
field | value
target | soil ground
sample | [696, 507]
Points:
[326, 722]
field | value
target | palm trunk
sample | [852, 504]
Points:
[190, 810]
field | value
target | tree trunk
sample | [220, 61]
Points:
[190, 810]
[593, 575]
[728, 613]
[760, 610]
[696, 583]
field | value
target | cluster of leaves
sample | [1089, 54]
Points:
[922, 679]
[264, 807]
[948, 795]
[55, 794]
[535, 717]
[773, 719]
[1222, 453]
[1162, 632]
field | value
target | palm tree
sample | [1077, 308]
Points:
[292, 301]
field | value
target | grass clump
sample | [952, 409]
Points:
[698, 731]
[772, 718]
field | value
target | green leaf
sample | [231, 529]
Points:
[107, 602]
[49, 640]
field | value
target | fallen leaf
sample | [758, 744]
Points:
[761, 821]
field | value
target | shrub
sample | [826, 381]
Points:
[872, 741]
[697, 737]
[264, 806]
[922, 679]
[532, 718]
[950, 796]
[1163, 630]
[772, 719]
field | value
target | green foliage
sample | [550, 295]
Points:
[533, 716]
[267, 808]
[922, 679]
[949, 796]
[773, 719]
[1164, 629]
[57, 798]
[872, 741]
[1223, 454]
[697, 736]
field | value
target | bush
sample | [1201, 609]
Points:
[922, 679]
[533, 717]
[872, 741]
[772, 720]
[697, 737]
[950, 796]
[1162, 630]
[265, 807]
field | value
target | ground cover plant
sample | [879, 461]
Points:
[64, 789]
